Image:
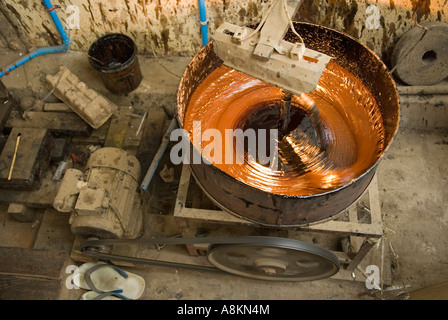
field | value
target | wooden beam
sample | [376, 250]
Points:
[34, 263]
[57, 122]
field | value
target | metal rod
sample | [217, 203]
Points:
[141, 124]
[285, 113]
[14, 156]
[155, 162]
[315, 118]
[317, 126]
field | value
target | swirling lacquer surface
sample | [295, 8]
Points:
[350, 121]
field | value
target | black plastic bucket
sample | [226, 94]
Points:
[115, 57]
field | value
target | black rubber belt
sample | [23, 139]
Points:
[253, 240]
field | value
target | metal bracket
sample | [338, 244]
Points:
[263, 54]
[275, 27]
[281, 70]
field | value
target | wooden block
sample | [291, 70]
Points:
[96, 137]
[29, 162]
[17, 234]
[59, 149]
[86, 102]
[21, 213]
[59, 123]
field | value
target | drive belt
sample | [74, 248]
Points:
[255, 244]
[261, 240]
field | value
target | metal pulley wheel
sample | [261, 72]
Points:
[420, 56]
[275, 259]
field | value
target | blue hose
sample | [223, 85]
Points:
[45, 50]
[57, 22]
[203, 17]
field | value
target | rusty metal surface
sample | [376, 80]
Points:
[277, 210]
[197, 70]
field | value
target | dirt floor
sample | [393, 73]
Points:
[412, 180]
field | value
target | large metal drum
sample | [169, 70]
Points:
[271, 209]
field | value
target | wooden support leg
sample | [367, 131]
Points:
[362, 252]
[21, 212]
[187, 233]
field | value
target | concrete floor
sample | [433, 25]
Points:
[411, 180]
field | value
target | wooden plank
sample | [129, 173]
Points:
[360, 254]
[216, 216]
[187, 232]
[34, 263]
[182, 191]
[374, 202]
[436, 292]
[22, 288]
[349, 228]
[374, 229]
[30, 145]
[57, 122]
[180, 214]
[353, 213]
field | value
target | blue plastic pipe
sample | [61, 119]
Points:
[57, 22]
[45, 50]
[203, 18]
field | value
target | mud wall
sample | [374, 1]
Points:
[172, 27]
[377, 24]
